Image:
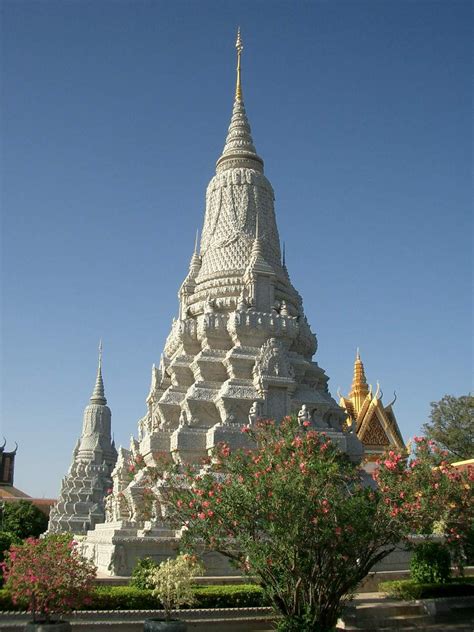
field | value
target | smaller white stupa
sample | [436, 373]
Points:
[81, 500]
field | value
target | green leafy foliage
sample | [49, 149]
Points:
[430, 563]
[408, 589]
[451, 425]
[239, 596]
[24, 519]
[121, 598]
[141, 573]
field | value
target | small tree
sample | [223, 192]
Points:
[172, 582]
[24, 519]
[452, 425]
[49, 576]
[294, 512]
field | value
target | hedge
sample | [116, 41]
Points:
[130, 598]
[408, 589]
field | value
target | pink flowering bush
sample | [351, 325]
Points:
[298, 515]
[48, 575]
[429, 494]
[292, 512]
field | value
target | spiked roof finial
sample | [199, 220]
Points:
[98, 395]
[239, 149]
[360, 387]
[240, 47]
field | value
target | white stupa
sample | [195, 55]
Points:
[241, 348]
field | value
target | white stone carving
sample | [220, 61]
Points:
[254, 413]
[303, 415]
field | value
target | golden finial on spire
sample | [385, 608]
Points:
[240, 47]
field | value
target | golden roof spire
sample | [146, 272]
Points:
[240, 47]
[359, 388]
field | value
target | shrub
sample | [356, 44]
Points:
[120, 598]
[6, 602]
[141, 573]
[238, 596]
[408, 589]
[430, 563]
[131, 598]
[47, 576]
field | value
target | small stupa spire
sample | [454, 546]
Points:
[195, 263]
[257, 244]
[98, 395]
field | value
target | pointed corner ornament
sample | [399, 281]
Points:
[377, 392]
[196, 242]
[240, 47]
[393, 400]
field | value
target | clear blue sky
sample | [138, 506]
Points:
[113, 115]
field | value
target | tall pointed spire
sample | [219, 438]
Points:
[240, 47]
[98, 395]
[239, 150]
[360, 388]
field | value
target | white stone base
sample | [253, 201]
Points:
[115, 547]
